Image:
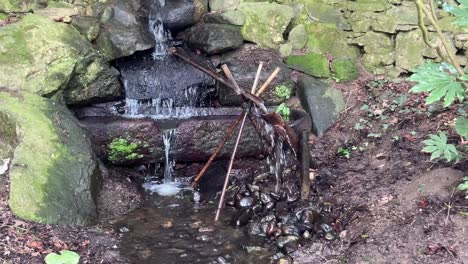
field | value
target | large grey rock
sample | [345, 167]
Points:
[179, 14]
[42, 57]
[213, 38]
[322, 101]
[123, 29]
[54, 176]
[244, 64]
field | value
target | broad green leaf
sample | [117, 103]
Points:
[438, 82]
[65, 257]
[436, 154]
[463, 186]
[461, 126]
[443, 137]
[460, 12]
[429, 149]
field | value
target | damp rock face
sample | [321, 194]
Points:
[323, 102]
[213, 38]
[54, 176]
[42, 57]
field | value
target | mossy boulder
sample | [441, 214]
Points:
[54, 175]
[265, 22]
[313, 64]
[322, 101]
[21, 5]
[345, 70]
[41, 56]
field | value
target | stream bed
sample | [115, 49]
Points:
[173, 229]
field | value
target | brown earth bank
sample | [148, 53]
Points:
[388, 203]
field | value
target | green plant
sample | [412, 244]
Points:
[464, 186]
[282, 91]
[65, 257]
[284, 111]
[439, 148]
[446, 81]
[344, 152]
[122, 149]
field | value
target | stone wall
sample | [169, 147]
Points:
[333, 33]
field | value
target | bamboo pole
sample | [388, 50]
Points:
[218, 149]
[233, 156]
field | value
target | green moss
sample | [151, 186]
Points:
[121, 149]
[313, 64]
[54, 172]
[345, 70]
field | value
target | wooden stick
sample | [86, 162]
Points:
[233, 156]
[268, 81]
[305, 166]
[233, 126]
[218, 149]
[257, 77]
[181, 54]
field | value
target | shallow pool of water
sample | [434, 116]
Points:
[172, 229]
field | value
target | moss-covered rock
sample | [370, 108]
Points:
[345, 70]
[298, 37]
[313, 64]
[40, 56]
[21, 5]
[54, 174]
[265, 22]
[325, 38]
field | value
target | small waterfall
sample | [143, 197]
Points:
[168, 163]
[161, 36]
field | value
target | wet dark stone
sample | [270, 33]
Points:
[281, 208]
[246, 202]
[241, 217]
[290, 230]
[124, 28]
[265, 198]
[213, 38]
[284, 240]
[179, 14]
[310, 217]
[168, 78]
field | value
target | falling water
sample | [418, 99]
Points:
[161, 36]
[168, 163]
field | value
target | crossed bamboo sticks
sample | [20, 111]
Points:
[253, 97]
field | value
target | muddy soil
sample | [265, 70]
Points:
[390, 203]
